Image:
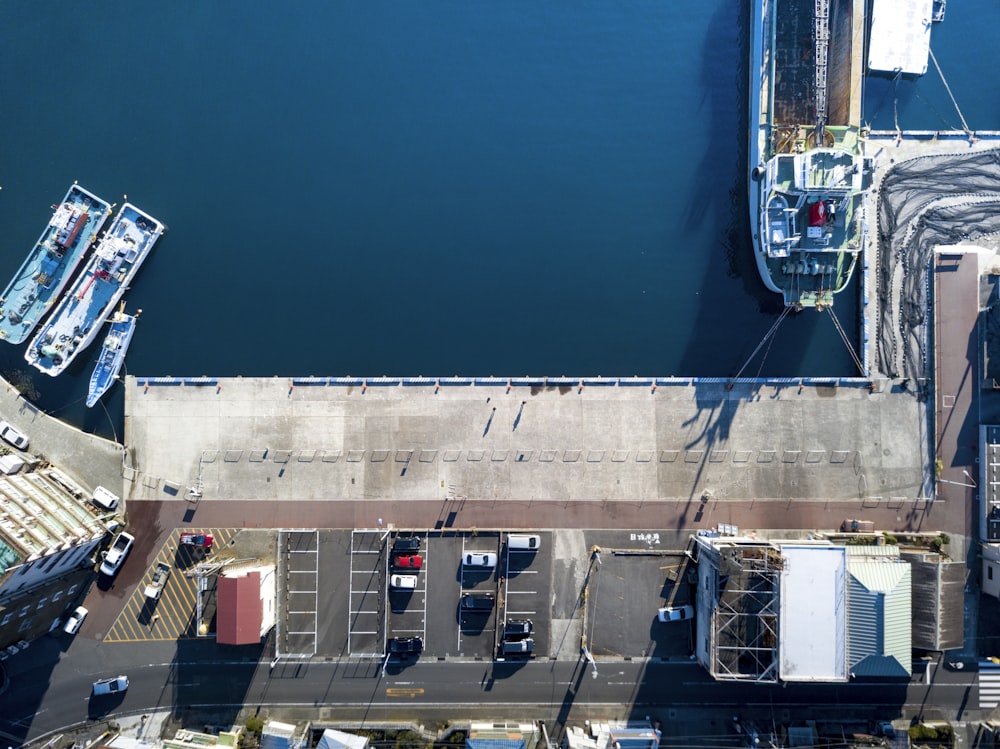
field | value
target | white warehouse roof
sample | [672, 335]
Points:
[813, 613]
[900, 36]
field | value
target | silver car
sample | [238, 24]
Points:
[14, 436]
[479, 559]
[72, 625]
[115, 556]
[115, 685]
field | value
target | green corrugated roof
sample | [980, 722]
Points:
[879, 616]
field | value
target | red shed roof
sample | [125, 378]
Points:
[240, 612]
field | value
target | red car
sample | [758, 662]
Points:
[201, 540]
[408, 562]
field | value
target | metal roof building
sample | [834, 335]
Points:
[802, 611]
[880, 621]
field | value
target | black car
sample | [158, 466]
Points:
[406, 645]
[515, 628]
[478, 601]
[405, 544]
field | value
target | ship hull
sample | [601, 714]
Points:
[77, 319]
[111, 358]
[50, 265]
[807, 176]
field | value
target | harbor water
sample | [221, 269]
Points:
[435, 188]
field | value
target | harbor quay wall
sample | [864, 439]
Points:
[88, 459]
[574, 439]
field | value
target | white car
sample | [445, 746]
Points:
[403, 582]
[675, 613]
[479, 559]
[114, 556]
[15, 437]
[72, 625]
[115, 685]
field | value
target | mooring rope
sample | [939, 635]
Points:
[843, 337]
[965, 125]
[764, 340]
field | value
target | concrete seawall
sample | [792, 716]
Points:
[89, 459]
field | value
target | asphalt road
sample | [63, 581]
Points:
[50, 692]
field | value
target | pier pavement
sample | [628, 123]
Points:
[88, 459]
[696, 443]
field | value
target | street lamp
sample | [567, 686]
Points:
[957, 483]
[966, 474]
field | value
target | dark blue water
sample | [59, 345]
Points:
[436, 188]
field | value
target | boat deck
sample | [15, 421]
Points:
[51, 263]
[109, 361]
[795, 65]
[79, 316]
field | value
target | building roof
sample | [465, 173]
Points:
[40, 515]
[813, 613]
[937, 601]
[505, 743]
[879, 636]
[334, 739]
[240, 610]
[276, 735]
[900, 37]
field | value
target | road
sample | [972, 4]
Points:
[51, 692]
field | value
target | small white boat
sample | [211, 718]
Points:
[112, 355]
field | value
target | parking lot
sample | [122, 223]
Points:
[349, 593]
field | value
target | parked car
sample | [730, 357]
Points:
[517, 628]
[405, 646]
[676, 613]
[105, 499]
[403, 582]
[478, 601]
[115, 556]
[404, 544]
[201, 540]
[158, 582]
[74, 621]
[523, 542]
[407, 561]
[14, 436]
[479, 559]
[114, 685]
[513, 647]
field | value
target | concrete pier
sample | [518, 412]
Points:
[690, 440]
[88, 459]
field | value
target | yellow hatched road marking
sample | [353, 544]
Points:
[172, 616]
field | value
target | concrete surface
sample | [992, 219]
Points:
[89, 459]
[263, 439]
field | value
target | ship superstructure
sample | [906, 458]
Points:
[81, 312]
[51, 263]
[808, 179]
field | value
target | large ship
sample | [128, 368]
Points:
[809, 179]
[51, 263]
[107, 274]
[112, 356]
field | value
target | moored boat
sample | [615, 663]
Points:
[51, 263]
[809, 180]
[112, 356]
[81, 312]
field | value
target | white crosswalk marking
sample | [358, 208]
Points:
[989, 684]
